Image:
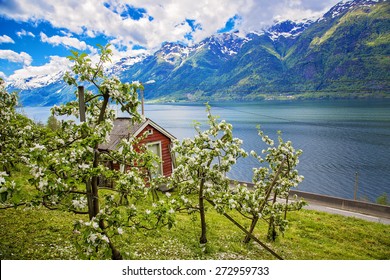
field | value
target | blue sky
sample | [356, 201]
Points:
[37, 35]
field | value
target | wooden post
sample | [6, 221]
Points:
[356, 185]
[88, 186]
[142, 103]
[81, 103]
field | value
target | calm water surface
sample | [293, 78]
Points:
[338, 139]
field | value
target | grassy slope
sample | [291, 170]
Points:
[44, 234]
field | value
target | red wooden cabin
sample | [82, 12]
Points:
[158, 140]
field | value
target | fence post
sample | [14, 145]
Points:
[80, 90]
[356, 185]
[88, 187]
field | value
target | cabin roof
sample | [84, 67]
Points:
[124, 129]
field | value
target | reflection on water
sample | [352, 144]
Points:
[338, 138]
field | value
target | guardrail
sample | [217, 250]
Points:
[345, 204]
[341, 203]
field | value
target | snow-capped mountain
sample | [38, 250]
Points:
[222, 46]
[286, 57]
[124, 64]
[173, 53]
[288, 28]
[36, 81]
[346, 5]
[225, 44]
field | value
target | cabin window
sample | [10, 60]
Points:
[150, 131]
[156, 149]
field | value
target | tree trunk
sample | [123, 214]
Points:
[95, 190]
[286, 209]
[252, 228]
[94, 180]
[203, 237]
[255, 219]
[116, 255]
[248, 233]
[271, 236]
[89, 199]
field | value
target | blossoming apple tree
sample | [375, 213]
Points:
[17, 133]
[268, 198]
[202, 164]
[66, 166]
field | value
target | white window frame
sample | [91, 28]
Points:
[160, 155]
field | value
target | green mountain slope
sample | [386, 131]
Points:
[343, 56]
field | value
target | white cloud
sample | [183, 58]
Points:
[2, 75]
[55, 65]
[259, 14]
[66, 41]
[25, 33]
[6, 39]
[12, 56]
[164, 20]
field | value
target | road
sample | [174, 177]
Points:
[322, 208]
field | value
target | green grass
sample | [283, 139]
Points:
[28, 234]
[39, 233]
[43, 234]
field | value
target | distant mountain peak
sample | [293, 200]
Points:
[36, 81]
[173, 52]
[223, 44]
[288, 28]
[346, 5]
[125, 63]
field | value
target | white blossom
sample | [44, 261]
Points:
[79, 203]
[184, 199]
[136, 83]
[42, 183]
[92, 237]
[37, 147]
[105, 238]
[84, 166]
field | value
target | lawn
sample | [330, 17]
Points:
[43, 234]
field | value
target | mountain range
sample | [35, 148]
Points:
[343, 54]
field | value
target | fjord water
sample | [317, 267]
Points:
[342, 141]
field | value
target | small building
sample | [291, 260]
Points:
[157, 140]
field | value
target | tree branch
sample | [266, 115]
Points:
[12, 206]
